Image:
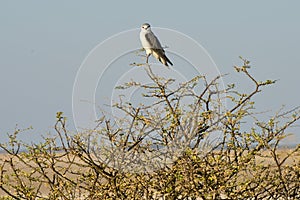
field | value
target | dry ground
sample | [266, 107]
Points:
[264, 159]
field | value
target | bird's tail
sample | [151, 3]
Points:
[166, 61]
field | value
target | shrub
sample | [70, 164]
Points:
[185, 144]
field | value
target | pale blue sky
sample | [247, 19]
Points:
[43, 43]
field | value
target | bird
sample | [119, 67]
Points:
[152, 45]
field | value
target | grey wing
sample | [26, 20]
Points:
[153, 41]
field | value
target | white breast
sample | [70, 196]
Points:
[144, 42]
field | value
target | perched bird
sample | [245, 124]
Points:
[152, 45]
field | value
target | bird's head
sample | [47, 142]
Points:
[145, 27]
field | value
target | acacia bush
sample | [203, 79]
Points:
[186, 143]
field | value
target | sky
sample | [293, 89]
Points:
[44, 43]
